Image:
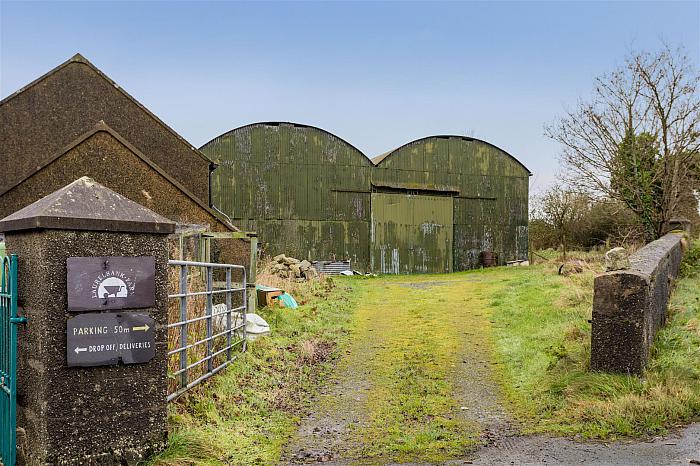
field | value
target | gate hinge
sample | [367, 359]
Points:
[18, 320]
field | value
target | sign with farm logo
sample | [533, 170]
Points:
[98, 283]
[100, 339]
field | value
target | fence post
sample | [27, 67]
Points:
[228, 314]
[252, 272]
[210, 327]
[183, 327]
[9, 319]
[92, 360]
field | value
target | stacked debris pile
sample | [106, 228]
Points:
[289, 267]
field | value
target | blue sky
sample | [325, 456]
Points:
[376, 74]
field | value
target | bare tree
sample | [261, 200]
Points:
[563, 210]
[654, 96]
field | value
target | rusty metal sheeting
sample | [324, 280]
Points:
[490, 213]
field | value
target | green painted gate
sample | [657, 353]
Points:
[8, 359]
[411, 233]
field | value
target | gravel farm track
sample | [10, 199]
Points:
[392, 316]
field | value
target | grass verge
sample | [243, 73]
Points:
[246, 413]
[531, 322]
[542, 338]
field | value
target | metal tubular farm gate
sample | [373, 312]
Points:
[204, 326]
[8, 359]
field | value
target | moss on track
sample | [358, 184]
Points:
[422, 370]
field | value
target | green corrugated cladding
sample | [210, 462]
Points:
[307, 192]
[411, 233]
[491, 209]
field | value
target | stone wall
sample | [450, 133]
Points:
[111, 162]
[100, 411]
[629, 306]
[102, 415]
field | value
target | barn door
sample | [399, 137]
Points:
[411, 233]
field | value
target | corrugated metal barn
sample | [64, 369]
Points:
[433, 205]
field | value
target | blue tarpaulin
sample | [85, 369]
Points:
[288, 301]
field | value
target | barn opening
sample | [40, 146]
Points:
[411, 230]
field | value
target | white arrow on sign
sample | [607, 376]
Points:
[143, 328]
[80, 350]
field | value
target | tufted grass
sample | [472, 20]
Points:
[534, 327]
[543, 339]
[245, 414]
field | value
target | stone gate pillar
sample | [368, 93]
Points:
[93, 354]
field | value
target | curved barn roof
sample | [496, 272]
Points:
[296, 125]
[376, 161]
[381, 158]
